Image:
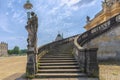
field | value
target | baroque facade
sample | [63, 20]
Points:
[3, 49]
[110, 8]
[107, 43]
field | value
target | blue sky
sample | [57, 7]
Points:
[66, 16]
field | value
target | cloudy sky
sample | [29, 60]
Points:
[64, 16]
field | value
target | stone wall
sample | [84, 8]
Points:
[3, 49]
[87, 59]
[108, 44]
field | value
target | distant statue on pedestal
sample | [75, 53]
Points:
[87, 19]
[32, 28]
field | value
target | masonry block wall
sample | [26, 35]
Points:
[3, 49]
[108, 44]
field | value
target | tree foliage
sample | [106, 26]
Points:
[16, 50]
[10, 52]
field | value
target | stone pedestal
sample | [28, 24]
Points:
[81, 58]
[78, 54]
[31, 64]
[92, 68]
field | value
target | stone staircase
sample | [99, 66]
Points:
[58, 65]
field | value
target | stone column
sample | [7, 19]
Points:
[92, 68]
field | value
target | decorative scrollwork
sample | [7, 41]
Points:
[98, 30]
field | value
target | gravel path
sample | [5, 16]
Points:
[12, 67]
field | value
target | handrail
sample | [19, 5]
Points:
[76, 44]
[87, 58]
[98, 30]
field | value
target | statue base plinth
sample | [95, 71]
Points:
[31, 49]
[31, 63]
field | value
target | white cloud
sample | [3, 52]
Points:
[53, 15]
[67, 7]
[69, 2]
[19, 1]
[4, 24]
[6, 13]
[10, 3]
[90, 4]
[18, 16]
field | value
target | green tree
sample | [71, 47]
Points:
[10, 52]
[16, 50]
[23, 51]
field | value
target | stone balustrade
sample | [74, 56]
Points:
[87, 59]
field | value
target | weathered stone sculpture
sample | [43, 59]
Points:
[87, 19]
[32, 28]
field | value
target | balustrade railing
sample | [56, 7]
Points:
[87, 58]
[98, 30]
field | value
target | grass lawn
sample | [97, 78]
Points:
[14, 67]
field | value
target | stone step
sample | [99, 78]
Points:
[57, 57]
[56, 61]
[74, 78]
[59, 71]
[58, 64]
[60, 75]
[59, 54]
[59, 67]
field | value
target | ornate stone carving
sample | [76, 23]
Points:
[88, 19]
[32, 28]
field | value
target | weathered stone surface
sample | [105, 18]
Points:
[32, 27]
[31, 64]
[108, 44]
[87, 60]
[3, 49]
[91, 61]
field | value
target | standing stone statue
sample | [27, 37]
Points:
[87, 19]
[32, 28]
